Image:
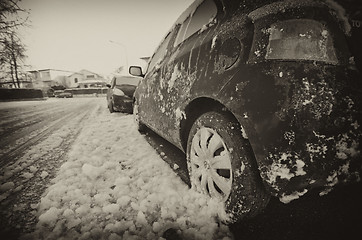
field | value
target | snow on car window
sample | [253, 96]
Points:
[301, 39]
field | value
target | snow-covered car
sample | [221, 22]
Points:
[120, 93]
[264, 97]
[62, 94]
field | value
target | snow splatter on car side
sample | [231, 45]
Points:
[282, 74]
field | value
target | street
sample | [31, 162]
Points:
[35, 136]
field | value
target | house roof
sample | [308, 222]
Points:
[85, 72]
[91, 81]
[77, 73]
[50, 69]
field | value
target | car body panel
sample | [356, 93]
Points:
[301, 128]
[302, 117]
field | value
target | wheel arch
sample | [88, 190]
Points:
[195, 109]
[202, 105]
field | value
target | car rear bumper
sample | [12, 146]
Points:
[304, 159]
[122, 104]
[305, 130]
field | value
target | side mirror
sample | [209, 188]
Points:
[108, 85]
[136, 71]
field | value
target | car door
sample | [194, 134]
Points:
[148, 90]
[179, 70]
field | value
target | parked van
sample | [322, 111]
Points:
[264, 97]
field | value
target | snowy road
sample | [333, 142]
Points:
[35, 136]
[70, 169]
[23, 124]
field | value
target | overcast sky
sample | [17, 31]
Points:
[96, 34]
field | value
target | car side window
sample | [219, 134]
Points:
[203, 15]
[182, 31]
[300, 39]
[160, 53]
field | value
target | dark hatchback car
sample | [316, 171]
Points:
[264, 97]
[120, 93]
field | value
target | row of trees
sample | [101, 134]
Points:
[12, 50]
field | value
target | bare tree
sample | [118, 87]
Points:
[12, 50]
[14, 53]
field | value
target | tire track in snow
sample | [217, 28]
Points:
[25, 112]
[24, 119]
[33, 165]
[28, 135]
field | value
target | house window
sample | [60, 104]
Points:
[90, 76]
[75, 80]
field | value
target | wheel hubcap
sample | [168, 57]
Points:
[210, 164]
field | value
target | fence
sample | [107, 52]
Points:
[87, 91]
[20, 93]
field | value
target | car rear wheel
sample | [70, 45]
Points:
[221, 164]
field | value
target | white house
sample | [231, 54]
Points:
[45, 78]
[85, 79]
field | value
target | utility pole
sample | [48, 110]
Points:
[125, 51]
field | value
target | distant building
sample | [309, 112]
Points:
[85, 79]
[25, 81]
[46, 78]
[10, 84]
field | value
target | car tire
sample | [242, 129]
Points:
[222, 165]
[139, 125]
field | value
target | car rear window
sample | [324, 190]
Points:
[300, 39]
[127, 81]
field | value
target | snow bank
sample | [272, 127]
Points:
[115, 186]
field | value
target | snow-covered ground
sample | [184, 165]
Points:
[113, 185]
[71, 170]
